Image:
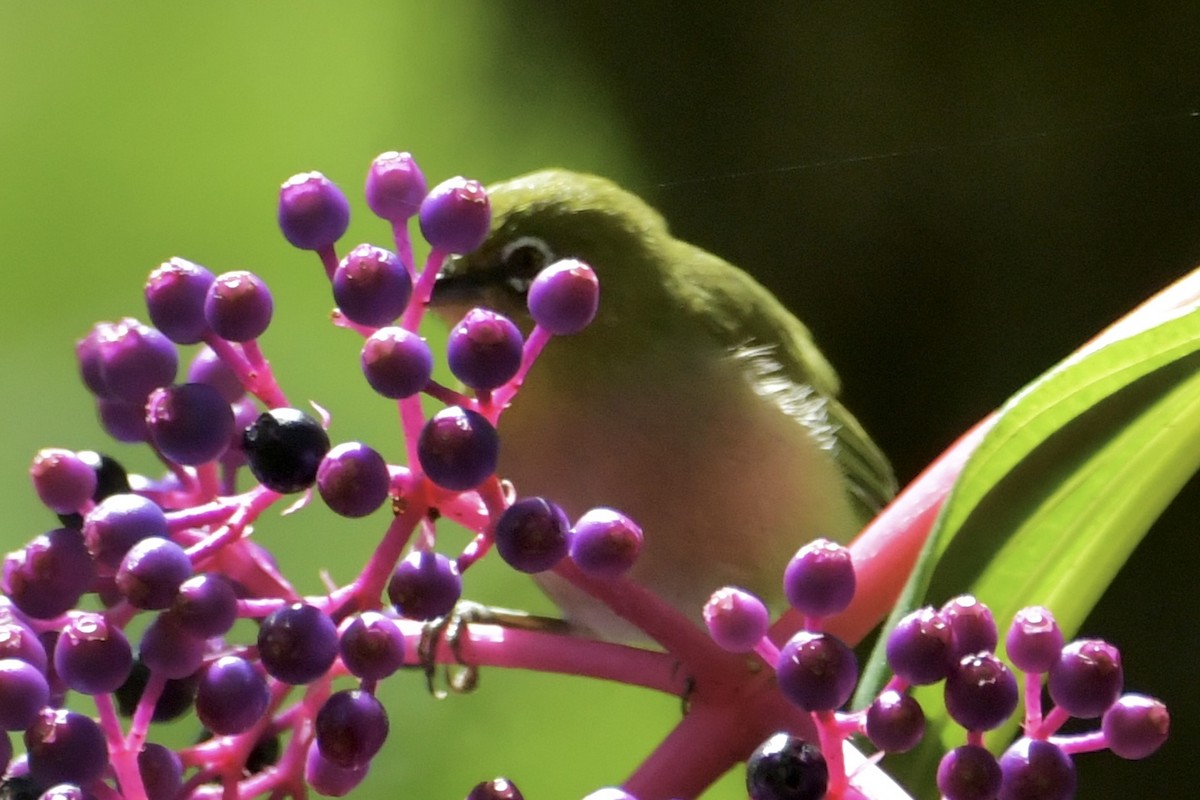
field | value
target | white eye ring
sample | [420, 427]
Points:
[527, 241]
[520, 277]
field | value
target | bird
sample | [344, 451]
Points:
[695, 402]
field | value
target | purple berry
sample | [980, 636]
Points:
[208, 367]
[238, 306]
[118, 523]
[563, 298]
[135, 360]
[605, 543]
[1134, 726]
[122, 420]
[484, 349]
[161, 771]
[65, 747]
[532, 535]
[372, 646]
[350, 728]
[1034, 640]
[1036, 770]
[17, 640]
[895, 722]
[972, 627]
[327, 778]
[64, 482]
[313, 212]
[785, 767]
[189, 424]
[87, 354]
[736, 619]
[175, 293]
[425, 585]
[395, 186]
[819, 580]
[232, 696]
[284, 448]
[496, 789]
[816, 671]
[1087, 678]
[169, 649]
[92, 655]
[969, 772]
[458, 448]
[297, 644]
[205, 605]
[353, 479]
[455, 216]
[23, 692]
[152, 572]
[980, 692]
[396, 362]
[47, 577]
[66, 791]
[919, 648]
[371, 286]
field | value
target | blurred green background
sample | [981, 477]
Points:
[952, 198]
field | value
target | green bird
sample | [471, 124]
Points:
[695, 402]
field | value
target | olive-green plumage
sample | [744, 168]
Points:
[695, 402]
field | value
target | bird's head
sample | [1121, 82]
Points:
[546, 216]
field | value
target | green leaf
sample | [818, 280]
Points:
[1058, 494]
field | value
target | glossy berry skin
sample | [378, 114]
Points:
[350, 728]
[532, 535]
[232, 696]
[980, 692]
[118, 523]
[1087, 678]
[484, 349]
[205, 605]
[972, 627]
[297, 643]
[816, 671]
[736, 619]
[564, 297]
[496, 789]
[65, 747]
[605, 543]
[64, 482]
[175, 293]
[919, 648]
[23, 693]
[395, 186]
[207, 367]
[122, 420]
[425, 585]
[161, 771]
[819, 580]
[47, 577]
[1034, 640]
[134, 360]
[353, 479]
[458, 448]
[170, 650]
[284, 448]
[152, 572]
[396, 362]
[895, 722]
[238, 306]
[969, 772]
[313, 212]
[1135, 726]
[610, 793]
[190, 423]
[91, 655]
[455, 215]
[1036, 770]
[371, 286]
[327, 778]
[372, 646]
[786, 767]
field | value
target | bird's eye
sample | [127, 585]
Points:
[523, 259]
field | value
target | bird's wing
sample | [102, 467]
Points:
[783, 363]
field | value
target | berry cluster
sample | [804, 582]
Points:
[174, 555]
[954, 645]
